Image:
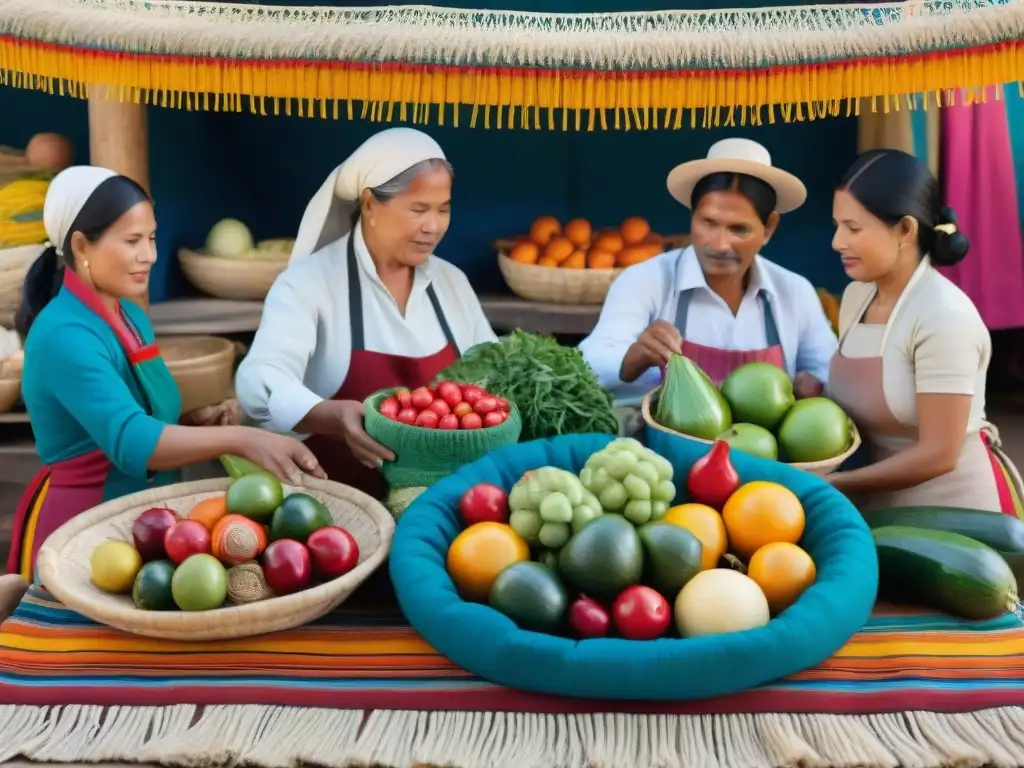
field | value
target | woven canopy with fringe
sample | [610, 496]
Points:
[515, 69]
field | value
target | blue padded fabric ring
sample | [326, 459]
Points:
[491, 646]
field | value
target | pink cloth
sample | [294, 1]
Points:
[981, 186]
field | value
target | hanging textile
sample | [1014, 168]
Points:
[913, 127]
[981, 186]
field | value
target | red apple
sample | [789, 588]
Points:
[149, 529]
[286, 566]
[484, 502]
[186, 538]
[333, 550]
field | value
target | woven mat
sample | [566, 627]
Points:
[877, 696]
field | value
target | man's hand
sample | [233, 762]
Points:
[659, 341]
[805, 385]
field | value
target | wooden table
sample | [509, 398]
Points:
[215, 316]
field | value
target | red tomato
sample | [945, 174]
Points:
[403, 397]
[494, 418]
[186, 538]
[471, 393]
[421, 398]
[428, 419]
[484, 502]
[448, 421]
[640, 613]
[471, 421]
[502, 403]
[440, 407]
[449, 392]
[407, 416]
[389, 408]
[485, 404]
[462, 409]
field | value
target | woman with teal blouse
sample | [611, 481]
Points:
[103, 406]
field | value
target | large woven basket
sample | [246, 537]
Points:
[562, 286]
[64, 564]
[819, 468]
[202, 366]
[241, 279]
[14, 264]
[10, 381]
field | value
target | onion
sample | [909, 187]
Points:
[229, 239]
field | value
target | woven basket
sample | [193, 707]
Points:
[562, 286]
[14, 264]
[10, 381]
[424, 456]
[64, 564]
[819, 468]
[202, 366]
[241, 279]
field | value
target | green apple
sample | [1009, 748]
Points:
[752, 439]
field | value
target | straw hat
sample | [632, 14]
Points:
[738, 156]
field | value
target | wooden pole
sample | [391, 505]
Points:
[119, 139]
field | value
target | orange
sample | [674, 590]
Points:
[610, 242]
[578, 232]
[480, 553]
[760, 513]
[545, 228]
[547, 261]
[636, 254]
[706, 524]
[559, 249]
[634, 230]
[209, 511]
[783, 571]
[654, 239]
[525, 253]
[578, 260]
[598, 259]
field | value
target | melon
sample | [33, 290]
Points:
[720, 600]
[229, 239]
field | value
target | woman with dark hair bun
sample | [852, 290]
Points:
[913, 350]
[103, 405]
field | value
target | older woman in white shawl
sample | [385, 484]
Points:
[363, 305]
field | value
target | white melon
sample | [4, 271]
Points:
[720, 600]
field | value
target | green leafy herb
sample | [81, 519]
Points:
[555, 390]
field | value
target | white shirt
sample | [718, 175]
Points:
[650, 291]
[300, 355]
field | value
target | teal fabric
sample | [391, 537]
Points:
[81, 395]
[489, 644]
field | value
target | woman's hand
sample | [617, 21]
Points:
[222, 415]
[282, 456]
[343, 419]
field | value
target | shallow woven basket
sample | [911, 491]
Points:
[202, 366]
[241, 279]
[14, 264]
[819, 468]
[10, 381]
[64, 564]
[562, 286]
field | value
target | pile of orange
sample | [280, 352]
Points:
[760, 526]
[578, 245]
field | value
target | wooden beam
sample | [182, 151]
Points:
[119, 139]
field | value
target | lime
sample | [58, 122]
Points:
[758, 393]
[200, 584]
[814, 430]
[255, 496]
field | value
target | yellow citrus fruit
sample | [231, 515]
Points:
[706, 524]
[480, 553]
[783, 571]
[760, 513]
[114, 566]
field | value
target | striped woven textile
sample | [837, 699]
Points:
[360, 659]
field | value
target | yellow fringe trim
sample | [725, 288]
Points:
[538, 99]
[283, 737]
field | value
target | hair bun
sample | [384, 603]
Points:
[949, 249]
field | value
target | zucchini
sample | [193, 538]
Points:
[1004, 533]
[943, 570]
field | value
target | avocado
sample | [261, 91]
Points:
[531, 595]
[604, 558]
[673, 557]
[297, 517]
[152, 588]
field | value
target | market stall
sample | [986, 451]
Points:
[277, 648]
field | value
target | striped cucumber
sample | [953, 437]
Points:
[943, 570]
[1004, 533]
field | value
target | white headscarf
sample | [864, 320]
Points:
[67, 194]
[378, 159]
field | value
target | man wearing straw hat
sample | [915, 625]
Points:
[717, 301]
